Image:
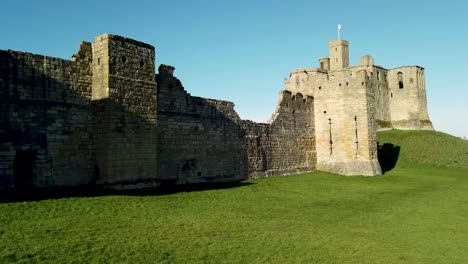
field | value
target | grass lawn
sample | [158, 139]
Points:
[416, 213]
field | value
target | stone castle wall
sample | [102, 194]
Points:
[200, 139]
[352, 102]
[287, 144]
[105, 117]
[344, 119]
[377, 81]
[124, 129]
[45, 132]
[204, 140]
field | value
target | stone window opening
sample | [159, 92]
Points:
[400, 80]
[124, 59]
[320, 87]
[378, 76]
[357, 138]
[331, 137]
[142, 63]
[98, 61]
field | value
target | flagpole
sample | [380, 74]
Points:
[339, 29]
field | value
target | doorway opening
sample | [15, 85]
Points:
[24, 168]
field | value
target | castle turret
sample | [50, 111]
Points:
[339, 54]
[408, 104]
[325, 64]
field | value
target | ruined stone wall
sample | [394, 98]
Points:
[204, 140]
[45, 122]
[124, 111]
[101, 119]
[408, 103]
[287, 144]
[200, 139]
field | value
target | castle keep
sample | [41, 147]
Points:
[352, 102]
[105, 117]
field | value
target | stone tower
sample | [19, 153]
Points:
[353, 102]
[124, 110]
[344, 124]
[407, 98]
[339, 54]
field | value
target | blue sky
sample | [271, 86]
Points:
[241, 51]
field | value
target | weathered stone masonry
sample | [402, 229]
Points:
[105, 117]
[205, 140]
[353, 102]
[124, 102]
[45, 132]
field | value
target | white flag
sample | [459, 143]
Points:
[339, 26]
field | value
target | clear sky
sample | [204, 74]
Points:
[241, 51]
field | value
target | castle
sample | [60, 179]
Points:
[105, 117]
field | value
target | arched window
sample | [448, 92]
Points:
[400, 80]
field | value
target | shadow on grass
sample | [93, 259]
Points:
[388, 156]
[39, 194]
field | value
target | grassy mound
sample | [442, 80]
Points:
[418, 148]
[415, 213]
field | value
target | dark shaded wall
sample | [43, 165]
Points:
[106, 118]
[124, 111]
[200, 139]
[45, 121]
[204, 140]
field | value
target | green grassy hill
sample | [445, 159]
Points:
[426, 148]
[417, 212]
